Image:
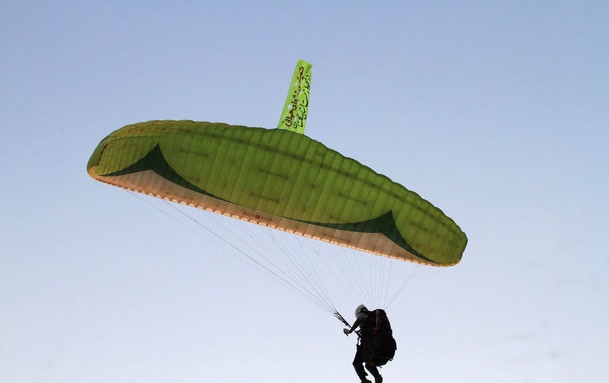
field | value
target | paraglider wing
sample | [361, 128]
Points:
[281, 179]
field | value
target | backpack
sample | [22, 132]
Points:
[385, 345]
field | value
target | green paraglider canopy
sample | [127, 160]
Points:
[281, 179]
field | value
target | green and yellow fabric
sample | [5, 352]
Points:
[278, 178]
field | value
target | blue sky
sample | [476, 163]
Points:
[497, 113]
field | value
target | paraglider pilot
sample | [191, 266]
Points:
[376, 345]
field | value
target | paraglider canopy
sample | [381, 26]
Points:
[279, 178]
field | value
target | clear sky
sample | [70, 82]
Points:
[497, 112]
